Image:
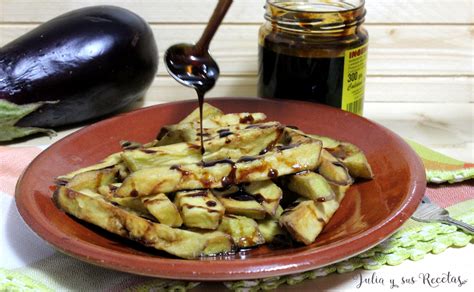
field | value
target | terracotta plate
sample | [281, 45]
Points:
[370, 212]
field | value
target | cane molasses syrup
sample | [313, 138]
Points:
[315, 51]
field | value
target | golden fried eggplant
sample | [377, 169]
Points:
[96, 210]
[243, 230]
[205, 175]
[199, 209]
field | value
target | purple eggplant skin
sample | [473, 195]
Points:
[93, 61]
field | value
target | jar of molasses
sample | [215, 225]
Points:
[314, 50]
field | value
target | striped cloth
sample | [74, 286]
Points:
[29, 264]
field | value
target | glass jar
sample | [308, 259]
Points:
[314, 50]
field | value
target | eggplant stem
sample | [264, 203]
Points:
[11, 113]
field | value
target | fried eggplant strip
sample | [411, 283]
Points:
[243, 230]
[311, 185]
[352, 156]
[333, 170]
[187, 132]
[226, 143]
[95, 210]
[270, 227]
[234, 144]
[92, 179]
[235, 118]
[199, 209]
[302, 222]
[129, 203]
[208, 111]
[277, 162]
[354, 159]
[161, 207]
[180, 153]
[109, 161]
[349, 154]
[268, 193]
[248, 207]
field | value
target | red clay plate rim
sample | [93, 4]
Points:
[235, 269]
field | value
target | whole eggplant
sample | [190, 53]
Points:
[81, 65]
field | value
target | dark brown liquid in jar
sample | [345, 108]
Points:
[293, 77]
[305, 52]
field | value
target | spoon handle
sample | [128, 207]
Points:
[202, 46]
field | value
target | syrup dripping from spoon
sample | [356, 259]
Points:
[192, 65]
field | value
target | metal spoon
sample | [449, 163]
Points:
[192, 65]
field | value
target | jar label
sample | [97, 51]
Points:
[353, 86]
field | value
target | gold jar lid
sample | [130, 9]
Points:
[315, 15]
